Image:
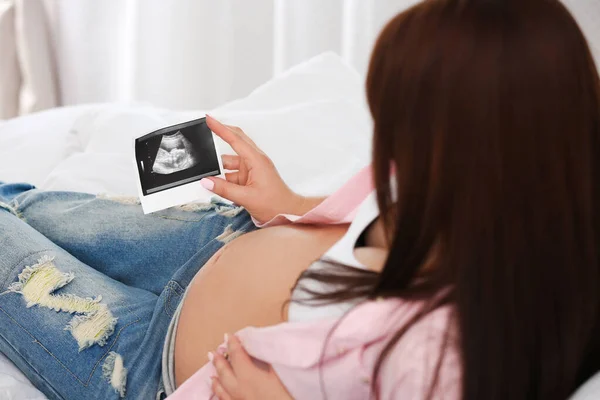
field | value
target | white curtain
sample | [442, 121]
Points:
[201, 53]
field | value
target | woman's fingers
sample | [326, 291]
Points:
[233, 177]
[225, 374]
[239, 358]
[236, 164]
[243, 135]
[233, 138]
[231, 162]
[219, 390]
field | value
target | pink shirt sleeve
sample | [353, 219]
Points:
[339, 208]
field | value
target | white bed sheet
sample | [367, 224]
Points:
[312, 121]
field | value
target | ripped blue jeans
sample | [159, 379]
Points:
[89, 286]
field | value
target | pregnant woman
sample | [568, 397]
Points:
[470, 270]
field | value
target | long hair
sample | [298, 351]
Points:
[489, 113]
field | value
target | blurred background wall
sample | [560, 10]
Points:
[182, 54]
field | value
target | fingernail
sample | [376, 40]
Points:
[207, 184]
[211, 356]
[226, 338]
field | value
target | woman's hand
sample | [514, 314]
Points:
[254, 183]
[242, 378]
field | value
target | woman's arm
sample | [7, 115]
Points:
[304, 205]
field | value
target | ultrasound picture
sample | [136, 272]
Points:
[175, 156]
[175, 153]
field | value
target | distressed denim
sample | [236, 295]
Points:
[90, 284]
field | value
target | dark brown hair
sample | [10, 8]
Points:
[489, 112]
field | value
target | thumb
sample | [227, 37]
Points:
[228, 190]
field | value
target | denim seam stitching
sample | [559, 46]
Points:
[36, 341]
[31, 366]
[176, 289]
[167, 309]
[109, 349]
[181, 219]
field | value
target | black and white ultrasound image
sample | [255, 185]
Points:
[175, 156]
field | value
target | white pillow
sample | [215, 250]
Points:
[312, 121]
[33, 145]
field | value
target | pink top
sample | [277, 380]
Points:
[304, 359]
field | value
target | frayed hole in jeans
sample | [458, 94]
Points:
[12, 210]
[94, 322]
[128, 200]
[115, 373]
[228, 234]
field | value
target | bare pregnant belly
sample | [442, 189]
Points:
[247, 283]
